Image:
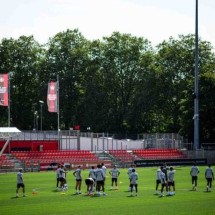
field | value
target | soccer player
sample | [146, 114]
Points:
[114, 174]
[171, 182]
[163, 181]
[58, 176]
[104, 170]
[158, 180]
[90, 183]
[20, 183]
[62, 177]
[129, 173]
[93, 176]
[165, 171]
[77, 174]
[133, 181]
[209, 176]
[194, 175]
[100, 180]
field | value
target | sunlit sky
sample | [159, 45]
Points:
[155, 20]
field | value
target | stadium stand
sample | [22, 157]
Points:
[123, 155]
[6, 163]
[159, 153]
[50, 158]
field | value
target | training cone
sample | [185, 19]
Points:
[34, 191]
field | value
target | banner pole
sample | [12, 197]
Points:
[8, 99]
[58, 113]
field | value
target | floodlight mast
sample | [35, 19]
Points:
[196, 88]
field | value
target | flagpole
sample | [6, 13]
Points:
[58, 113]
[8, 99]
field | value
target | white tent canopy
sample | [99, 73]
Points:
[9, 129]
[6, 133]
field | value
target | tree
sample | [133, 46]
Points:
[66, 56]
[121, 68]
[175, 64]
[22, 59]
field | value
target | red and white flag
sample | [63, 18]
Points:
[3, 89]
[52, 98]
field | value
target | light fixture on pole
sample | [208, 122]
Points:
[35, 120]
[41, 114]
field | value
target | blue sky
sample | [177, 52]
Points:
[156, 20]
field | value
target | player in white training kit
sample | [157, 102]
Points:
[171, 182]
[78, 177]
[100, 177]
[114, 174]
[129, 173]
[163, 181]
[209, 176]
[104, 168]
[194, 175]
[58, 176]
[158, 180]
[93, 176]
[20, 183]
[133, 181]
[89, 182]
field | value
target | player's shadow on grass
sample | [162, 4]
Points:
[14, 197]
[75, 194]
[113, 189]
[156, 194]
[131, 196]
[205, 191]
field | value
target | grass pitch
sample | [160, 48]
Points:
[43, 199]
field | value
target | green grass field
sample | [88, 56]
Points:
[49, 201]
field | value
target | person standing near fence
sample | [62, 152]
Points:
[209, 176]
[194, 176]
[20, 183]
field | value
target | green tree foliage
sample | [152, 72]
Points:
[118, 84]
[22, 58]
[67, 56]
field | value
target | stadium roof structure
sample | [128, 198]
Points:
[6, 133]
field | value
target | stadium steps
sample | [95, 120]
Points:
[104, 156]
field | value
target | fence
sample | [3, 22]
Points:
[70, 139]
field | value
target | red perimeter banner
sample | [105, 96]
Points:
[52, 96]
[3, 89]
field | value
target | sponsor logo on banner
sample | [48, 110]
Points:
[4, 89]
[52, 97]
